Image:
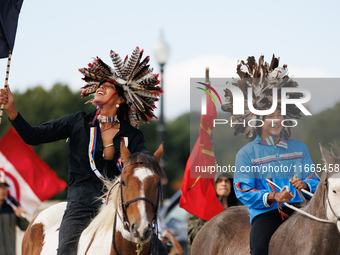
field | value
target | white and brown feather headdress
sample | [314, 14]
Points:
[136, 78]
[261, 77]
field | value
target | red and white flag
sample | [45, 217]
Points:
[31, 181]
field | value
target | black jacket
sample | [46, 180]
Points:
[83, 185]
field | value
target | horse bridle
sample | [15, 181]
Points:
[329, 202]
[125, 220]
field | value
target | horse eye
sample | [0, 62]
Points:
[334, 191]
[123, 182]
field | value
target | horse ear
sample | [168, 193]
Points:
[159, 153]
[124, 152]
[327, 157]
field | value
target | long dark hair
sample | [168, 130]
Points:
[123, 110]
[232, 199]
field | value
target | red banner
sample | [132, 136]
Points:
[31, 180]
[198, 194]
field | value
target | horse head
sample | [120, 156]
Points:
[140, 192]
[331, 179]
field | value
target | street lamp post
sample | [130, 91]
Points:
[161, 51]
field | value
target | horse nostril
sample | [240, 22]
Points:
[149, 225]
[134, 230]
[146, 233]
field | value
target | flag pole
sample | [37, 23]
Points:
[23, 214]
[6, 81]
[207, 81]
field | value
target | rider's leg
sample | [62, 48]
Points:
[263, 227]
[76, 218]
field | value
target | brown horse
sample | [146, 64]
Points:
[228, 232]
[124, 225]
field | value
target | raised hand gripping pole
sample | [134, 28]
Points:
[6, 81]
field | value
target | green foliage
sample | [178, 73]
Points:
[321, 128]
[176, 148]
[150, 135]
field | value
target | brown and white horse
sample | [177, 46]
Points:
[228, 232]
[124, 225]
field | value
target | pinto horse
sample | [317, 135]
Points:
[229, 231]
[125, 224]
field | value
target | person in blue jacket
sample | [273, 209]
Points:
[263, 162]
[272, 168]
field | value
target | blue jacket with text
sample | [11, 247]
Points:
[262, 160]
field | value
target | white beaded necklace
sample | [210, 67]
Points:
[106, 119]
[103, 119]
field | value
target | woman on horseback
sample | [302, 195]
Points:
[122, 96]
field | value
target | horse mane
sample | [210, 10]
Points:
[104, 218]
[314, 205]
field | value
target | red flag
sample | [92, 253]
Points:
[198, 191]
[31, 181]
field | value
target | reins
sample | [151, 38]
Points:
[303, 212]
[114, 235]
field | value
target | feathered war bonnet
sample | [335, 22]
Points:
[136, 78]
[262, 78]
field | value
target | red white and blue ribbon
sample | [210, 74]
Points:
[119, 160]
[92, 150]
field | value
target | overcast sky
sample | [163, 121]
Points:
[55, 38]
